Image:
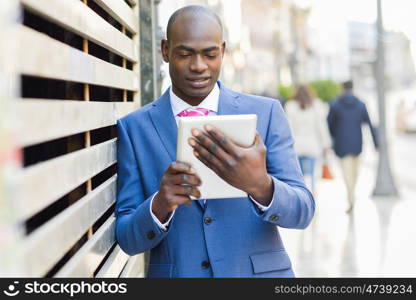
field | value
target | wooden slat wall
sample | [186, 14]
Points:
[47, 181]
[66, 228]
[49, 58]
[120, 11]
[61, 214]
[60, 118]
[88, 258]
[73, 15]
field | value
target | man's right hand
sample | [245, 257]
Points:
[177, 185]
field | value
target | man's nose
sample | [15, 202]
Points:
[198, 64]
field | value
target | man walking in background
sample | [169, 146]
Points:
[345, 118]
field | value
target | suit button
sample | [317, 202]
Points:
[151, 235]
[207, 220]
[205, 264]
[273, 218]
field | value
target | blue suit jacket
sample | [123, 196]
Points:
[345, 118]
[241, 241]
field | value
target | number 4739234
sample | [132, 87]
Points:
[389, 289]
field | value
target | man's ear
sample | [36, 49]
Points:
[164, 45]
[223, 46]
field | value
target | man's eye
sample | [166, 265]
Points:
[184, 54]
[211, 55]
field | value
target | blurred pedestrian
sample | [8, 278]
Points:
[345, 118]
[307, 118]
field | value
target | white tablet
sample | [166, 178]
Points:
[239, 128]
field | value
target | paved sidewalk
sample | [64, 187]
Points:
[378, 239]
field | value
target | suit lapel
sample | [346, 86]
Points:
[229, 102]
[164, 122]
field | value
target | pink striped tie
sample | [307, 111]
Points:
[194, 112]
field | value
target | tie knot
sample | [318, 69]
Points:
[194, 112]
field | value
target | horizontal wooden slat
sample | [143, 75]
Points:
[58, 118]
[89, 257]
[51, 241]
[114, 264]
[46, 182]
[77, 17]
[52, 59]
[120, 11]
[134, 267]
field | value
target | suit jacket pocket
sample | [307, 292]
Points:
[160, 271]
[270, 261]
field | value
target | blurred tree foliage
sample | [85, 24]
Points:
[326, 90]
[286, 92]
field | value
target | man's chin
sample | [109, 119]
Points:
[200, 92]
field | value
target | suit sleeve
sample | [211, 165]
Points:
[136, 231]
[292, 205]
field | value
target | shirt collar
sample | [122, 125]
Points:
[210, 102]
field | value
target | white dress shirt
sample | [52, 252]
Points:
[178, 105]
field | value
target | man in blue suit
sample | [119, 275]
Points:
[346, 116]
[220, 237]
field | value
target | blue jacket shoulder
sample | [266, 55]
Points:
[261, 101]
[137, 114]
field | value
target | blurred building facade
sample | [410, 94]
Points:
[285, 42]
[400, 68]
[267, 42]
[271, 43]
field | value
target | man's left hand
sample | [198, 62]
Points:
[241, 167]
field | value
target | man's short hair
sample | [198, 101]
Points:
[194, 10]
[348, 85]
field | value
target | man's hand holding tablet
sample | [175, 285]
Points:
[241, 167]
[177, 185]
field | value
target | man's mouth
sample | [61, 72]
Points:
[198, 82]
